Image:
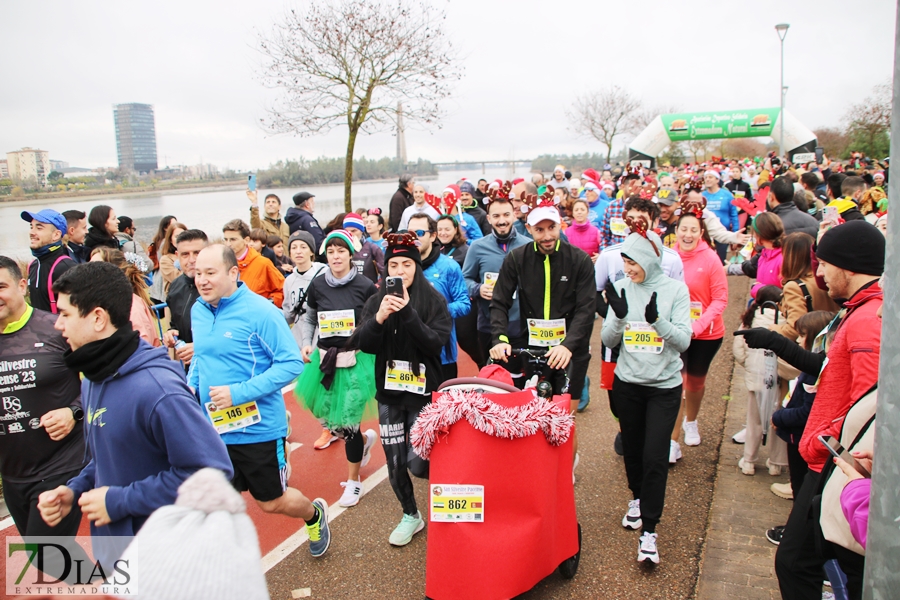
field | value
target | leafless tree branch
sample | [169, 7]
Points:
[604, 115]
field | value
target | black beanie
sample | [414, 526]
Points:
[404, 245]
[855, 246]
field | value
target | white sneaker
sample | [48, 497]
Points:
[747, 468]
[740, 437]
[632, 519]
[674, 452]
[782, 490]
[774, 470]
[352, 491]
[371, 436]
[647, 548]
[691, 432]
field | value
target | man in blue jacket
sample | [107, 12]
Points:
[142, 424]
[718, 200]
[481, 267]
[244, 354]
[447, 278]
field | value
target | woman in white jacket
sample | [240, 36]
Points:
[760, 313]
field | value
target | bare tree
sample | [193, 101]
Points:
[699, 148]
[869, 122]
[604, 115]
[643, 117]
[353, 62]
[833, 140]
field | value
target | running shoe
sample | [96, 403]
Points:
[747, 467]
[409, 526]
[740, 437]
[774, 535]
[617, 445]
[691, 432]
[371, 436]
[325, 440]
[352, 492]
[774, 470]
[647, 548]
[782, 490]
[585, 395]
[674, 452]
[632, 519]
[319, 532]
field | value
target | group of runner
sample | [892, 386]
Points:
[369, 319]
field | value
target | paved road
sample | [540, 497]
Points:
[361, 563]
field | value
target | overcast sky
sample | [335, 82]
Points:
[66, 64]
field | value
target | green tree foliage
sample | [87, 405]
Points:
[331, 170]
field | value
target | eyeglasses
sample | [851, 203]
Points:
[421, 232]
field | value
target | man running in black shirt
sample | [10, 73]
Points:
[41, 437]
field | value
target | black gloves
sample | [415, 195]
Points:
[617, 303]
[651, 313]
[760, 337]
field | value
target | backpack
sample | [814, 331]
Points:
[50, 293]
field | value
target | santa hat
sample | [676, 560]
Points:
[517, 180]
[452, 190]
[591, 174]
[590, 185]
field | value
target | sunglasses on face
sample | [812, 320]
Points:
[421, 232]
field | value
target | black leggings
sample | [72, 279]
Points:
[354, 444]
[396, 421]
[699, 356]
[646, 417]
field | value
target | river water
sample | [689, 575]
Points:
[210, 210]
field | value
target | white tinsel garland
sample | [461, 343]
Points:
[490, 418]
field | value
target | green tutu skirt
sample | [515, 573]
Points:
[351, 398]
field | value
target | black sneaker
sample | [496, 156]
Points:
[617, 445]
[774, 534]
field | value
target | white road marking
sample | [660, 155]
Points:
[8, 522]
[284, 549]
[295, 445]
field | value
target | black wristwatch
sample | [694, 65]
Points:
[77, 412]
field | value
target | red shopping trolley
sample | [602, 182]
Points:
[501, 503]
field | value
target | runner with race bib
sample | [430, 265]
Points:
[649, 315]
[405, 325]
[337, 383]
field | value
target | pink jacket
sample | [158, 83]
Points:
[855, 504]
[142, 321]
[768, 269]
[584, 236]
[705, 278]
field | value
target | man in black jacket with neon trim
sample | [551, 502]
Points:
[555, 286]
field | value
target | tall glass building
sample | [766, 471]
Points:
[135, 137]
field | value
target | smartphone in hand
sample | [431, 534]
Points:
[251, 182]
[838, 451]
[394, 286]
[831, 215]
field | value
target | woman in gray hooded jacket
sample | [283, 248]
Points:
[650, 317]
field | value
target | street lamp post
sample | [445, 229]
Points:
[782, 29]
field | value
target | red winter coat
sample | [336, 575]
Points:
[850, 371]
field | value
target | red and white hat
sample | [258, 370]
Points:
[354, 220]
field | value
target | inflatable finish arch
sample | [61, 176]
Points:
[754, 122]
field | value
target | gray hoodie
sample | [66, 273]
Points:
[673, 302]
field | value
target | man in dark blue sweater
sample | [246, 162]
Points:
[144, 427]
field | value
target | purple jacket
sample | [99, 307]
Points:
[855, 504]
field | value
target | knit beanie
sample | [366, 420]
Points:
[855, 246]
[342, 235]
[403, 245]
[354, 220]
[203, 546]
[467, 187]
[303, 236]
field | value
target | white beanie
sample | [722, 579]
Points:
[203, 546]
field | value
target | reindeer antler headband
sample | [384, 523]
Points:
[640, 226]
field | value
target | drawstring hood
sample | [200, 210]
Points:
[640, 250]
